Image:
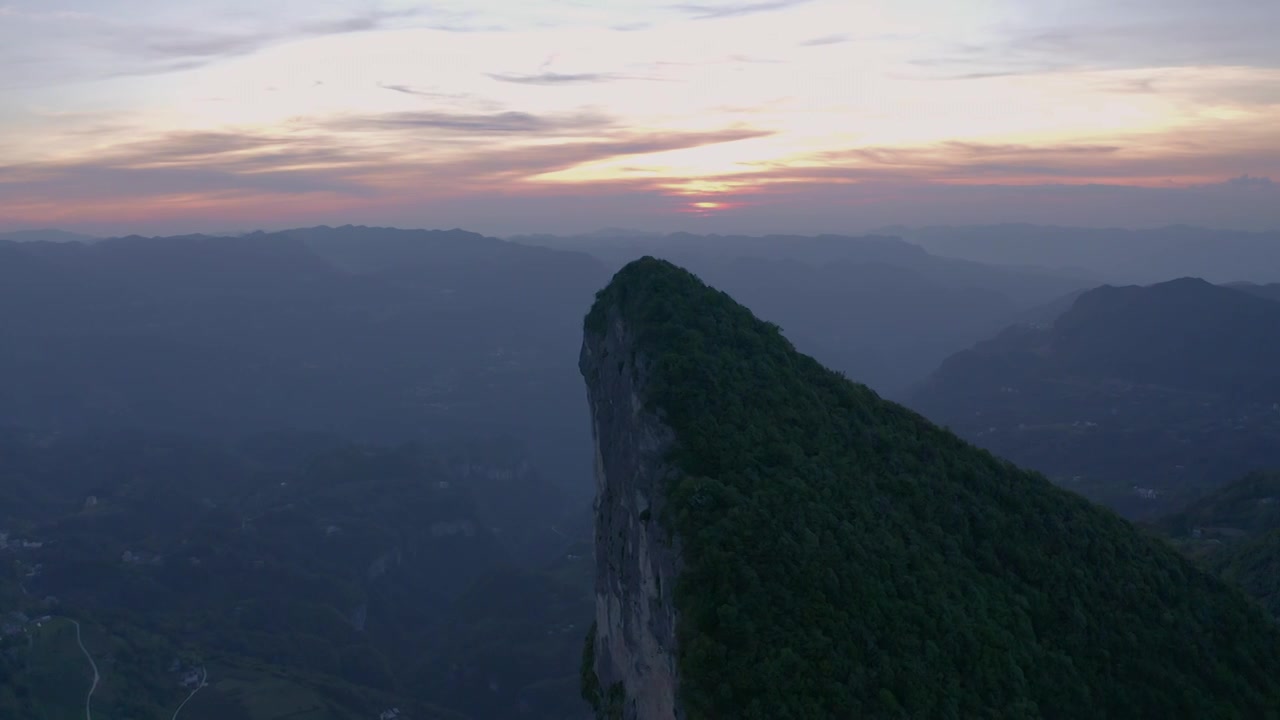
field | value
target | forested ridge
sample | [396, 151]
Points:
[1235, 532]
[845, 557]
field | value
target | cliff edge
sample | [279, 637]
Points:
[775, 542]
[633, 640]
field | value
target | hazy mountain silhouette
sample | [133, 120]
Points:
[263, 332]
[387, 334]
[1270, 291]
[882, 310]
[46, 235]
[1172, 388]
[1113, 255]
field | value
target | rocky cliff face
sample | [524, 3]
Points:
[637, 562]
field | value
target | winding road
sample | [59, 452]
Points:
[88, 699]
[204, 680]
[88, 712]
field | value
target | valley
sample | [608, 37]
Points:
[342, 473]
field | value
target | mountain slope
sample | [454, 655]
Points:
[1183, 333]
[774, 541]
[1235, 532]
[1271, 291]
[1255, 566]
[1248, 506]
[1140, 397]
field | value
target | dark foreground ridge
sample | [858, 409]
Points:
[775, 541]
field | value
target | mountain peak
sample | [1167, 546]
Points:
[1184, 283]
[774, 541]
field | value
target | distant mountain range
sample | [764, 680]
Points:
[1270, 291]
[388, 334]
[373, 334]
[884, 311]
[1141, 397]
[1112, 255]
[46, 235]
[1091, 255]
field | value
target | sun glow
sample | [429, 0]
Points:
[708, 207]
[694, 187]
[665, 105]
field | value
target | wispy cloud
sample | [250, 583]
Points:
[501, 123]
[1108, 35]
[528, 162]
[174, 42]
[701, 11]
[436, 94]
[372, 19]
[186, 44]
[14, 12]
[1246, 88]
[827, 40]
[1246, 182]
[194, 45]
[754, 60]
[552, 78]
[393, 161]
[158, 48]
[1137, 161]
[970, 62]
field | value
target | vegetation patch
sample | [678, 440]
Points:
[846, 558]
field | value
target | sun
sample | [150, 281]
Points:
[709, 207]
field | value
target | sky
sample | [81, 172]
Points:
[512, 116]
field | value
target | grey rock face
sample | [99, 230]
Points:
[637, 562]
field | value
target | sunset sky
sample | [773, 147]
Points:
[507, 116]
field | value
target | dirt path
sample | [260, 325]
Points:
[88, 700]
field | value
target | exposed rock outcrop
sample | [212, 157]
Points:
[637, 560]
